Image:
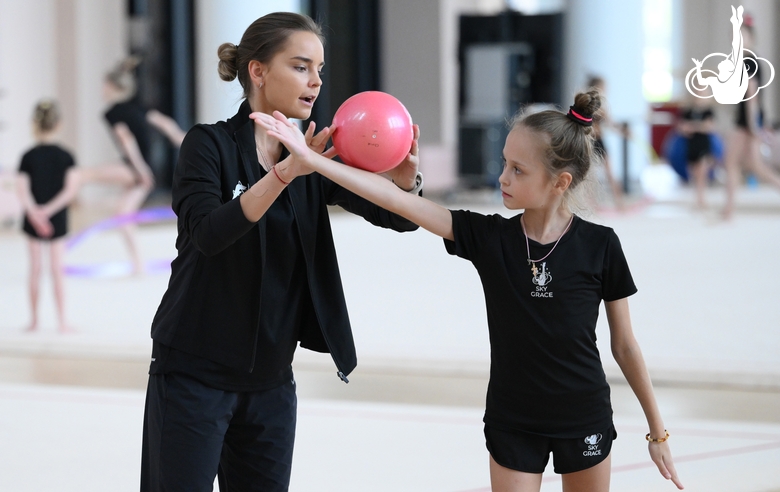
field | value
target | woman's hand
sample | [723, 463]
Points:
[317, 142]
[662, 457]
[404, 175]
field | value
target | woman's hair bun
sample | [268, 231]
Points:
[587, 103]
[228, 61]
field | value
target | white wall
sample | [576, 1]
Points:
[27, 71]
[51, 48]
[605, 37]
[217, 22]
[420, 67]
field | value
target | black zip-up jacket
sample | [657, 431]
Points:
[212, 305]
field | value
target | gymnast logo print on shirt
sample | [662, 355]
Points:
[542, 278]
[240, 188]
[593, 445]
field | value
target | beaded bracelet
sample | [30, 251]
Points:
[660, 439]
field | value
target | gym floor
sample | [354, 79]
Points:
[706, 316]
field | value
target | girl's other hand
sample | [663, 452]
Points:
[662, 457]
[279, 127]
[404, 175]
[40, 222]
[282, 129]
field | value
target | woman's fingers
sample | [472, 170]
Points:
[310, 132]
[330, 153]
[321, 138]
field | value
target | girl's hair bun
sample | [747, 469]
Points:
[46, 115]
[228, 61]
[587, 103]
[122, 76]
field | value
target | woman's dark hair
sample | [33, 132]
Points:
[46, 115]
[263, 39]
[569, 144]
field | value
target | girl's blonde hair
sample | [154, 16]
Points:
[123, 76]
[46, 116]
[569, 144]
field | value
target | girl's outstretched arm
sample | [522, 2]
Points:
[370, 186]
[167, 126]
[628, 355]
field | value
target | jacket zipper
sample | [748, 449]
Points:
[339, 373]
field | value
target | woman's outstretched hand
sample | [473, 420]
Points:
[404, 175]
[317, 142]
[662, 457]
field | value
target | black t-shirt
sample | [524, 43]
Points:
[46, 165]
[546, 375]
[284, 296]
[753, 70]
[134, 116]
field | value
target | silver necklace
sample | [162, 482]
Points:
[265, 163]
[528, 248]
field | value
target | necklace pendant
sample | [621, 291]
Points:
[534, 270]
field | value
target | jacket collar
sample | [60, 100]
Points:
[244, 135]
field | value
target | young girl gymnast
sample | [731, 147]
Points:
[545, 273]
[46, 183]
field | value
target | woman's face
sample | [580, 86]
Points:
[525, 181]
[291, 80]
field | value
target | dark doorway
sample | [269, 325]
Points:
[352, 52]
[507, 61]
[162, 34]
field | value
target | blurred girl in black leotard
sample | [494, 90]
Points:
[131, 126]
[598, 83]
[46, 183]
[744, 142]
[696, 126]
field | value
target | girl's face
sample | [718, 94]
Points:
[291, 80]
[111, 92]
[525, 181]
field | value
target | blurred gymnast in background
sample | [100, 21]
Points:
[599, 122]
[131, 127]
[46, 183]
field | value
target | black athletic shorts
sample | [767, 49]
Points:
[698, 147]
[530, 453]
